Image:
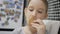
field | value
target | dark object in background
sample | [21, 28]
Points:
[5, 29]
[59, 31]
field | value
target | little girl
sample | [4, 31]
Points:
[35, 12]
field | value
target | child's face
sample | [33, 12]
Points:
[35, 10]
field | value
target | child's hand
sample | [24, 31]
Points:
[39, 25]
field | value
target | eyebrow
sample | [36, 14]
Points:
[41, 9]
[30, 7]
[33, 7]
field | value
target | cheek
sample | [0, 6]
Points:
[28, 16]
[40, 16]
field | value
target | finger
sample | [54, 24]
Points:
[35, 25]
[38, 27]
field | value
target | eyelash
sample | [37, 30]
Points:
[31, 9]
[39, 11]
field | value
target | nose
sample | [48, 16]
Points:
[34, 13]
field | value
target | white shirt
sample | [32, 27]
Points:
[52, 26]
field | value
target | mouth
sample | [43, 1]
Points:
[36, 22]
[32, 21]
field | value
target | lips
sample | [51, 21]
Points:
[36, 22]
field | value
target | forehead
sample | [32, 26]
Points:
[37, 4]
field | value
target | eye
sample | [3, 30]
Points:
[39, 11]
[30, 9]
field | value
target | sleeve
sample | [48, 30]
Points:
[52, 27]
[20, 32]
